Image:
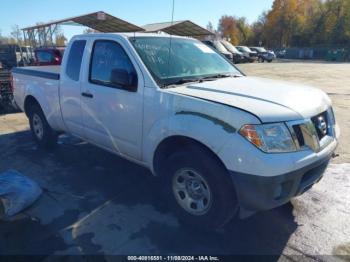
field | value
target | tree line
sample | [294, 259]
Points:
[289, 23]
[292, 23]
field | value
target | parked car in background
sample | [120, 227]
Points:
[238, 56]
[272, 52]
[48, 56]
[263, 54]
[13, 55]
[6, 91]
[218, 46]
[249, 55]
[222, 144]
[281, 53]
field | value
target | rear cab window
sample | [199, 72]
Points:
[75, 58]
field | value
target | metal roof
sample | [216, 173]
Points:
[182, 28]
[99, 21]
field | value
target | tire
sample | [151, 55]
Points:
[42, 133]
[199, 169]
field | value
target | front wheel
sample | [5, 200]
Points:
[199, 189]
[43, 134]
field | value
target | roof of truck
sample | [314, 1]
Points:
[136, 34]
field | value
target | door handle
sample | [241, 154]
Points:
[88, 95]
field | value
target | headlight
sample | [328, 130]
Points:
[270, 138]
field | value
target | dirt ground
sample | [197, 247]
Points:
[96, 203]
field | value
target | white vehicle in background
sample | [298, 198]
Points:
[223, 144]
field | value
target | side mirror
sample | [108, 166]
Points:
[124, 79]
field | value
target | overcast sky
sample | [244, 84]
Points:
[26, 13]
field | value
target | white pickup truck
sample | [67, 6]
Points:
[223, 144]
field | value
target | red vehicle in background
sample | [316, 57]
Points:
[48, 56]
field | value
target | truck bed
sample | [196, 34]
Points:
[50, 72]
[41, 82]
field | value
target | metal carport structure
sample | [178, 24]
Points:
[42, 34]
[181, 28]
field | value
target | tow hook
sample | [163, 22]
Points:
[334, 155]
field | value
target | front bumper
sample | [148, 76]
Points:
[252, 58]
[268, 57]
[258, 193]
[238, 58]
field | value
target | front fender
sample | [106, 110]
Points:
[210, 131]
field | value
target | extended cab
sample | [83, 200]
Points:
[222, 143]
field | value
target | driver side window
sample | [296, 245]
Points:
[110, 66]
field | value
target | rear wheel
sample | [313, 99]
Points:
[43, 134]
[199, 189]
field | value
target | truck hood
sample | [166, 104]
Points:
[269, 100]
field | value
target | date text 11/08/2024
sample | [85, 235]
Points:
[173, 258]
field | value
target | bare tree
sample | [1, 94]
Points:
[16, 34]
[60, 39]
[210, 27]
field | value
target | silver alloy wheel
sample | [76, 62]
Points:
[38, 127]
[191, 191]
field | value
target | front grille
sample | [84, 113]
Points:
[299, 135]
[314, 133]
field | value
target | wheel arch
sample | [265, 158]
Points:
[29, 102]
[174, 143]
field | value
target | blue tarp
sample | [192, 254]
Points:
[17, 192]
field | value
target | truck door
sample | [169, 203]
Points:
[113, 113]
[70, 85]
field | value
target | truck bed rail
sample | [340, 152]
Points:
[36, 73]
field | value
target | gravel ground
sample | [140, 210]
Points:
[97, 203]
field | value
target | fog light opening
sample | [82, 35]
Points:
[283, 190]
[278, 192]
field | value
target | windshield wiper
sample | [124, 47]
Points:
[220, 76]
[199, 80]
[183, 81]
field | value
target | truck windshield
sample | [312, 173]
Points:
[230, 47]
[261, 49]
[179, 60]
[244, 49]
[220, 47]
